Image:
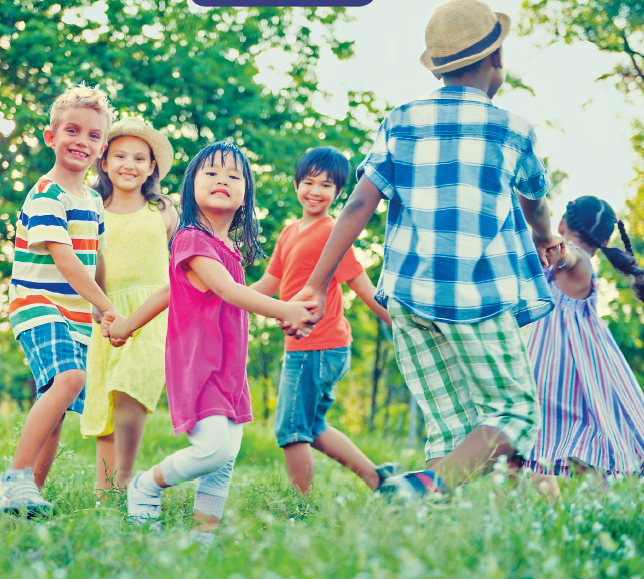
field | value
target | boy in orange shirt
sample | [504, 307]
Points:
[312, 367]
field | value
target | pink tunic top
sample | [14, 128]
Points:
[207, 341]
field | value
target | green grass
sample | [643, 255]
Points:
[339, 532]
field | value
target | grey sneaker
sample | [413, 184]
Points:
[20, 495]
[142, 507]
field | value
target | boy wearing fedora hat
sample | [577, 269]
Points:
[461, 272]
[59, 236]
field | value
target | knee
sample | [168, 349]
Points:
[214, 459]
[71, 380]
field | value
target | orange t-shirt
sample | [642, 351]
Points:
[294, 259]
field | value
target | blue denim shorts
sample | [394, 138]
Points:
[51, 350]
[306, 392]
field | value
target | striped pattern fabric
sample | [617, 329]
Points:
[457, 246]
[593, 408]
[39, 293]
[467, 375]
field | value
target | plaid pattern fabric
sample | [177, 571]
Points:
[457, 247]
[51, 350]
[467, 375]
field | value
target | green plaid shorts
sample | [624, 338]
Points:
[467, 375]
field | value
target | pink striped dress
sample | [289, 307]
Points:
[592, 406]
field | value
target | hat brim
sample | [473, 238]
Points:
[158, 142]
[426, 60]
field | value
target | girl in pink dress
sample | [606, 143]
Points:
[592, 405]
[207, 339]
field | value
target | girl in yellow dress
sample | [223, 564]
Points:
[125, 384]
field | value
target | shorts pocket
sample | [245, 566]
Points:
[334, 364]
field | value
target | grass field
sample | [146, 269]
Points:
[340, 531]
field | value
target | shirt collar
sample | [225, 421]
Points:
[462, 93]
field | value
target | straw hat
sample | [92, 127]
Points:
[136, 127]
[462, 32]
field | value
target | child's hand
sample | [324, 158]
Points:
[298, 319]
[97, 314]
[549, 249]
[119, 329]
[316, 302]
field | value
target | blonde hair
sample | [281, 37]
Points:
[81, 96]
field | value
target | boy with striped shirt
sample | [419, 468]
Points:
[59, 239]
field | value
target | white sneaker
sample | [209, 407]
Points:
[142, 507]
[20, 495]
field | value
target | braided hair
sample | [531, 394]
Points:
[594, 221]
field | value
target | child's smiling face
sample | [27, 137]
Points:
[128, 163]
[316, 193]
[220, 188]
[79, 138]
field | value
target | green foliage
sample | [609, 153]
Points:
[340, 531]
[194, 75]
[614, 26]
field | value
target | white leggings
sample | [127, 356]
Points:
[214, 445]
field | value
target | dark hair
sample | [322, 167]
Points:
[324, 159]
[474, 67]
[151, 190]
[594, 220]
[243, 229]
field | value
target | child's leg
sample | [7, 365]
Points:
[45, 416]
[492, 358]
[300, 465]
[212, 443]
[337, 445]
[118, 450]
[212, 490]
[48, 455]
[105, 461]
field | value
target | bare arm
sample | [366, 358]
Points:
[123, 328]
[100, 278]
[353, 219]
[574, 274]
[169, 215]
[537, 214]
[267, 285]
[79, 278]
[217, 278]
[366, 291]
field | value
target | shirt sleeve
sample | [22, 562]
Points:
[378, 165]
[275, 266]
[191, 243]
[532, 179]
[47, 221]
[349, 268]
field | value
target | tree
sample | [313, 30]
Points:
[194, 75]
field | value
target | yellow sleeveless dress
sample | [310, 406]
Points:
[136, 260]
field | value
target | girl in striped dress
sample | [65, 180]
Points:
[592, 406]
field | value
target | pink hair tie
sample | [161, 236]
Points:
[617, 221]
[574, 202]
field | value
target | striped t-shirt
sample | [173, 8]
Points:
[39, 293]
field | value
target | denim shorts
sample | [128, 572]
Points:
[51, 350]
[306, 392]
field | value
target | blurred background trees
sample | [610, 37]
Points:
[195, 76]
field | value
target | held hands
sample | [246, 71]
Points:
[314, 302]
[550, 250]
[298, 320]
[113, 326]
[97, 315]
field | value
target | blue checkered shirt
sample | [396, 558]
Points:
[457, 246]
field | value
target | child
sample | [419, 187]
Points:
[59, 241]
[125, 384]
[593, 408]
[460, 269]
[207, 341]
[305, 395]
